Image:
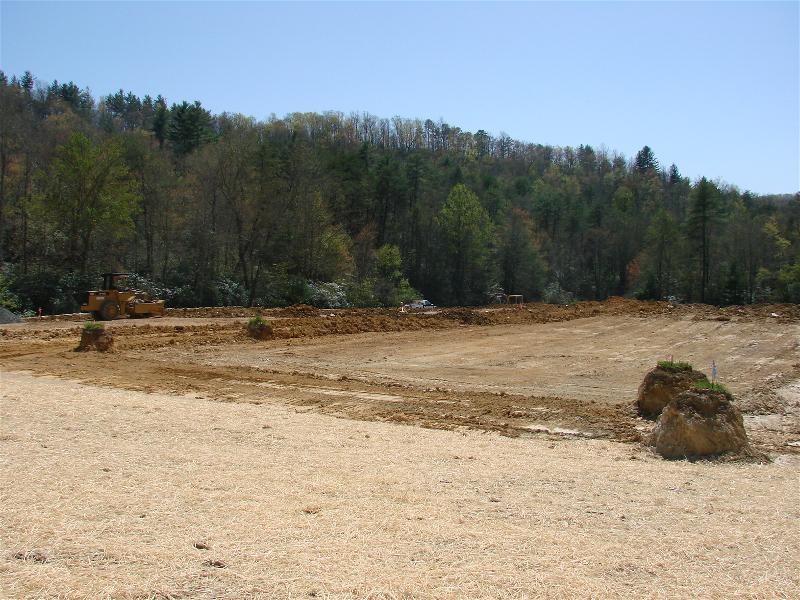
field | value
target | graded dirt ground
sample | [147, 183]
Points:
[516, 371]
[464, 453]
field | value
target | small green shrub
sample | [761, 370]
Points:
[705, 384]
[669, 365]
[8, 300]
[258, 322]
[260, 328]
[93, 326]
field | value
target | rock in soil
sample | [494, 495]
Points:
[699, 423]
[6, 316]
[96, 339]
[660, 386]
[219, 564]
[31, 555]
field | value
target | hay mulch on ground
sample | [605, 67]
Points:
[107, 493]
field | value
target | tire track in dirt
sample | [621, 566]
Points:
[510, 415]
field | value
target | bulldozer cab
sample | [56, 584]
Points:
[110, 281]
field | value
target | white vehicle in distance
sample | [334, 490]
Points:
[421, 304]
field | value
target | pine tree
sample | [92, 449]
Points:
[26, 82]
[160, 121]
[645, 160]
[189, 127]
[704, 215]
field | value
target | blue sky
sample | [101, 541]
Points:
[713, 87]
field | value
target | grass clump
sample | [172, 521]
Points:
[258, 322]
[260, 328]
[705, 384]
[93, 326]
[673, 366]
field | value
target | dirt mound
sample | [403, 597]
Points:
[299, 310]
[507, 314]
[260, 330]
[699, 423]
[338, 324]
[212, 312]
[6, 316]
[467, 316]
[661, 385]
[96, 339]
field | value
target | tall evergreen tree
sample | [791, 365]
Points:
[645, 160]
[704, 216]
[160, 121]
[189, 127]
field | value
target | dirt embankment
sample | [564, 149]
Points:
[305, 321]
[494, 314]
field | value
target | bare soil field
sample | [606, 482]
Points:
[368, 453]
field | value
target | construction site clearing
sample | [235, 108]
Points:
[451, 453]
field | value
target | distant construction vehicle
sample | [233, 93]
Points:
[116, 301]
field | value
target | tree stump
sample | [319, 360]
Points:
[100, 340]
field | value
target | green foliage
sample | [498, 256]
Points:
[705, 384]
[36, 289]
[674, 366]
[93, 326]
[229, 292]
[259, 322]
[160, 121]
[389, 262]
[361, 293]
[390, 287]
[8, 299]
[468, 233]
[281, 288]
[555, 294]
[321, 249]
[645, 160]
[404, 293]
[189, 127]
[225, 209]
[773, 231]
[705, 214]
[789, 281]
[660, 258]
[88, 193]
[71, 292]
[178, 296]
[521, 264]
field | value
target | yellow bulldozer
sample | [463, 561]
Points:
[116, 301]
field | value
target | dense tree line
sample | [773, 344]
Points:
[333, 208]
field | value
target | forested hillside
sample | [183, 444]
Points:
[334, 209]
